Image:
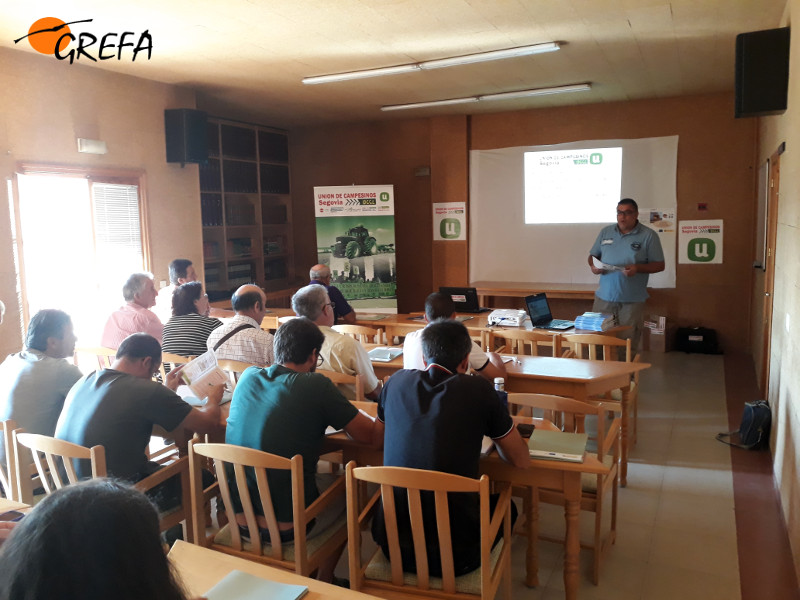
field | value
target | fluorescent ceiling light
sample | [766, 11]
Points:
[563, 89]
[438, 63]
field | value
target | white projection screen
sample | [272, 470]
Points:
[504, 248]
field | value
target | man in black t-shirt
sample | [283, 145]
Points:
[436, 419]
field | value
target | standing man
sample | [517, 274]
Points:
[340, 353]
[343, 313]
[35, 382]
[242, 338]
[135, 316]
[636, 249]
[180, 271]
[436, 419]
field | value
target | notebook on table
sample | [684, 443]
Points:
[238, 585]
[541, 317]
[557, 445]
[465, 299]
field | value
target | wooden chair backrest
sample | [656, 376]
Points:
[343, 378]
[519, 341]
[365, 335]
[8, 477]
[234, 368]
[416, 481]
[227, 458]
[173, 360]
[598, 347]
[54, 459]
[102, 355]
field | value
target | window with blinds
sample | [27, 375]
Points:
[80, 236]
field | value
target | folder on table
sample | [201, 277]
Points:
[239, 585]
[557, 445]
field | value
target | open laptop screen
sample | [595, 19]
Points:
[538, 309]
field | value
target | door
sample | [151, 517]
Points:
[769, 271]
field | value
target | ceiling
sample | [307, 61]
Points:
[246, 58]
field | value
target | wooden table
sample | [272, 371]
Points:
[551, 474]
[200, 569]
[7, 505]
[572, 291]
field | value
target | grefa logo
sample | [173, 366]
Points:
[50, 35]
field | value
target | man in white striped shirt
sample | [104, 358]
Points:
[242, 337]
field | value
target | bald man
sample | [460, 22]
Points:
[343, 313]
[242, 337]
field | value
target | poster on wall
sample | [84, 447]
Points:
[449, 221]
[700, 242]
[355, 238]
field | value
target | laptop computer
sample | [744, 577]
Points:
[465, 299]
[541, 317]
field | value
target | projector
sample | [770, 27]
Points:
[506, 316]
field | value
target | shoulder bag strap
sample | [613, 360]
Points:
[231, 333]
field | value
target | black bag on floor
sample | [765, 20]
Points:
[697, 339]
[754, 431]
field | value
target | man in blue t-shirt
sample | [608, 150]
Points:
[342, 311]
[636, 249]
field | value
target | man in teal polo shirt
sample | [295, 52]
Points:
[637, 250]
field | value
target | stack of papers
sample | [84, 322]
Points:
[557, 445]
[593, 321]
[384, 354]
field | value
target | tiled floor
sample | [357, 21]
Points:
[676, 533]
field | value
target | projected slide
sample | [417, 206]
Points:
[572, 186]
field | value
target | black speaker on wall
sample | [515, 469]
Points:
[762, 72]
[186, 135]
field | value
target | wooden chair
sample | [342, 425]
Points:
[302, 556]
[95, 355]
[169, 361]
[570, 414]
[234, 369]
[606, 347]
[54, 460]
[519, 341]
[386, 578]
[8, 471]
[365, 335]
[344, 379]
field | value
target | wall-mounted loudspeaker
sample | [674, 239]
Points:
[186, 133]
[762, 72]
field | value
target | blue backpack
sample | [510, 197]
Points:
[753, 432]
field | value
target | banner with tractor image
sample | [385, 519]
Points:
[355, 238]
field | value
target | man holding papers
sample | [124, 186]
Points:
[629, 251]
[435, 419]
[117, 407]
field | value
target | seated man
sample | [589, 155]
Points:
[340, 353]
[35, 382]
[118, 407]
[242, 338]
[436, 419]
[440, 306]
[180, 271]
[285, 410]
[134, 316]
[343, 313]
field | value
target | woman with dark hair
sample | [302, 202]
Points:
[187, 331]
[93, 540]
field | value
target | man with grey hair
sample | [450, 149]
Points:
[135, 315]
[340, 353]
[342, 311]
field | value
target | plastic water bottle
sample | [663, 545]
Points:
[500, 389]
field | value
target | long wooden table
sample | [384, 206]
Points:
[572, 291]
[200, 569]
[570, 377]
[551, 474]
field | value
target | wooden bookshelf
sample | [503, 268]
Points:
[246, 208]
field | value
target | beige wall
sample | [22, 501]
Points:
[784, 383]
[46, 104]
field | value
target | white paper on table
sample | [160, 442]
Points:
[203, 373]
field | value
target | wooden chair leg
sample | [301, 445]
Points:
[531, 508]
